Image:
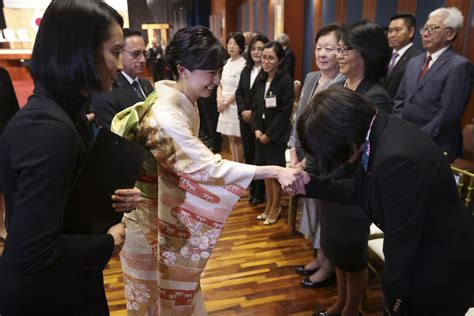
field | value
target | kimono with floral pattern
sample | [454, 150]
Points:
[188, 193]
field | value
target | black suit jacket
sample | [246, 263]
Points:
[107, 105]
[410, 193]
[392, 81]
[290, 61]
[277, 125]
[9, 104]
[43, 270]
[376, 93]
[243, 94]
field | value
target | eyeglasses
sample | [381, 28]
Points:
[344, 51]
[257, 48]
[429, 29]
[137, 53]
[329, 49]
[269, 58]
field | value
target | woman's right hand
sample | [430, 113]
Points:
[118, 233]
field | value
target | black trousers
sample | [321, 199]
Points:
[257, 187]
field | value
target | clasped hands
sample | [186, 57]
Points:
[293, 181]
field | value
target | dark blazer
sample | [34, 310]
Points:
[44, 270]
[376, 93]
[290, 61]
[436, 103]
[392, 81]
[243, 94]
[9, 104]
[410, 193]
[277, 124]
[107, 105]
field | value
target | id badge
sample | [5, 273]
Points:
[270, 102]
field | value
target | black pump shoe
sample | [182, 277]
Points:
[307, 283]
[305, 272]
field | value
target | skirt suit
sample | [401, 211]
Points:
[271, 115]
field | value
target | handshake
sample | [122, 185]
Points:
[293, 181]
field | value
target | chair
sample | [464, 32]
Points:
[23, 35]
[9, 35]
[465, 183]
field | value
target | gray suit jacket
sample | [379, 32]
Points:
[310, 83]
[436, 103]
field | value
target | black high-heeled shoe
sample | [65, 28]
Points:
[330, 280]
[305, 272]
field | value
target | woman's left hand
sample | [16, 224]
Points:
[126, 200]
[264, 139]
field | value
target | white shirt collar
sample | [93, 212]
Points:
[129, 79]
[403, 50]
[438, 53]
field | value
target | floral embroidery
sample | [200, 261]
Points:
[136, 294]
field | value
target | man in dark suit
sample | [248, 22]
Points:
[401, 31]
[289, 60]
[155, 59]
[128, 88]
[404, 183]
[436, 85]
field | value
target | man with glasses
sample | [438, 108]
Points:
[401, 32]
[436, 85]
[128, 87]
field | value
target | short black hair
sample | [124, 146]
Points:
[370, 41]
[277, 48]
[131, 32]
[195, 48]
[328, 29]
[239, 38]
[335, 120]
[255, 38]
[64, 55]
[409, 19]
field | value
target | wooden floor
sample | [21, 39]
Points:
[251, 272]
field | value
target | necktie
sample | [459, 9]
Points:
[138, 90]
[424, 70]
[392, 62]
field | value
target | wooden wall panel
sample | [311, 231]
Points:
[293, 22]
[318, 22]
[464, 6]
[369, 8]
[406, 6]
[464, 45]
[260, 16]
[251, 14]
[271, 19]
[341, 11]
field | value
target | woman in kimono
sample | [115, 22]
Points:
[189, 191]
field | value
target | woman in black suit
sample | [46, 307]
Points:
[44, 270]
[363, 55]
[271, 122]
[406, 186]
[244, 100]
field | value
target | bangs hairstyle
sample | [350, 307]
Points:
[335, 120]
[195, 48]
[327, 30]
[68, 46]
[370, 41]
[255, 38]
[239, 40]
